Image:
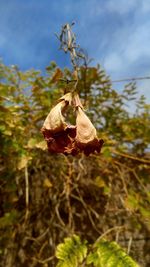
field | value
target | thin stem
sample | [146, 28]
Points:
[26, 192]
[129, 245]
[109, 231]
[68, 44]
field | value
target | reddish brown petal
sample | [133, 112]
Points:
[60, 142]
[90, 147]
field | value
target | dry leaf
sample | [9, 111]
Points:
[57, 75]
[42, 145]
[23, 162]
[31, 143]
[47, 183]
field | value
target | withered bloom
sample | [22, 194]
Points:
[86, 137]
[69, 139]
[56, 131]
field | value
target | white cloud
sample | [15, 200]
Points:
[129, 50]
[138, 43]
[121, 6]
[145, 6]
[113, 62]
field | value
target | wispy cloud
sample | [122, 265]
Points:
[121, 7]
[128, 52]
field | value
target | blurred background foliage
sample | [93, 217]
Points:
[46, 197]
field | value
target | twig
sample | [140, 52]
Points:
[68, 189]
[6, 98]
[117, 236]
[123, 180]
[26, 192]
[135, 175]
[68, 44]
[130, 157]
[140, 182]
[58, 215]
[86, 209]
[129, 245]
[43, 261]
[109, 231]
[42, 248]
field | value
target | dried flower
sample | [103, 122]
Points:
[86, 136]
[56, 131]
[69, 139]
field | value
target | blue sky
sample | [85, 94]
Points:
[116, 33]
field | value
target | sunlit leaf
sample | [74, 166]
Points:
[23, 162]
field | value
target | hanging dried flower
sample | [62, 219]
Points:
[86, 136]
[56, 131]
[69, 139]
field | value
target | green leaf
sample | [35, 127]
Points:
[106, 152]
[71, 252]
[110, 254]
[8, 219]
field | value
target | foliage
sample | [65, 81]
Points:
[110, 254]
[46, 197]
[73, 253]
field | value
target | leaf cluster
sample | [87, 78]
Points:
[75, 253]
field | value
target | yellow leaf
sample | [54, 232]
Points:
[42, 145]
[99, 182]
[47, 183]
[15, 199]
[8, 132]
[31, 143]
[23, 162]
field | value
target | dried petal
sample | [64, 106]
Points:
[60, 142]
[55, 121]
[67, 97]
[86, 137]
[76, 101]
